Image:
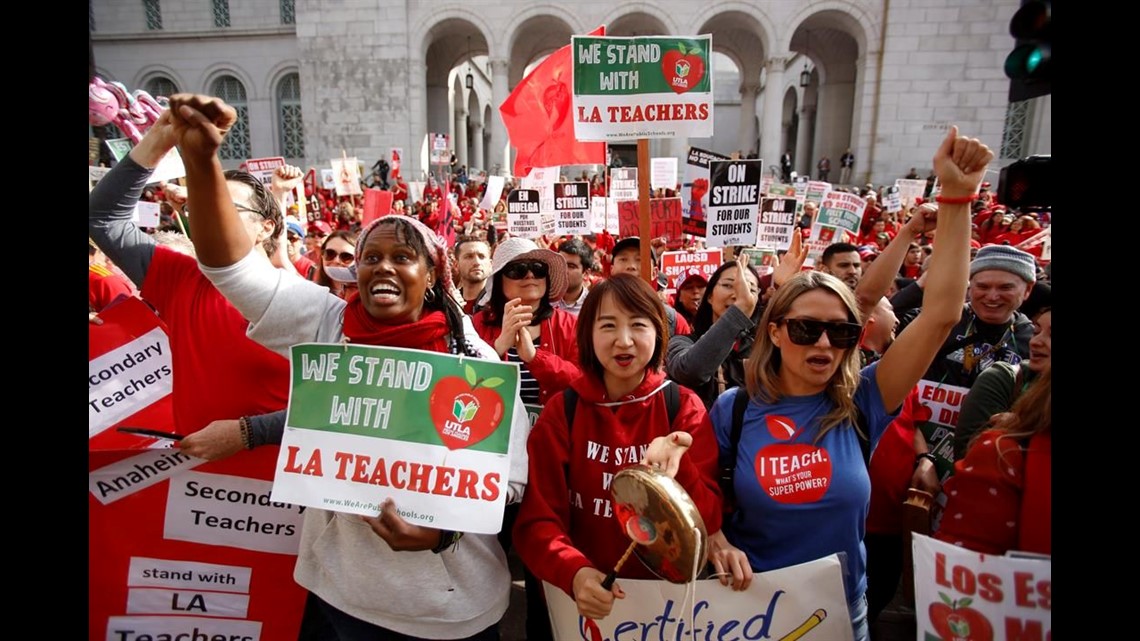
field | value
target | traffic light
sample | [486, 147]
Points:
[1027, 184]
[1028, 66]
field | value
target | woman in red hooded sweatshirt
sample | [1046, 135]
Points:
[566, 532]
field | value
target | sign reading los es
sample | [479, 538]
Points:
[649, 87]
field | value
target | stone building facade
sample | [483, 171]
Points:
[315, 77]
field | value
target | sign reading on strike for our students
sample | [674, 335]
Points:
[734, 202]
[649, 87]
[523, 217]
[777, 222]
[572, 208]
[960, 594]
[431, 431]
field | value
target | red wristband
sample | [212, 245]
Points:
[960, 200]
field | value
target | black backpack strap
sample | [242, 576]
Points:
[864, 435]
[570, 404]
[672, 401]
[728, 458]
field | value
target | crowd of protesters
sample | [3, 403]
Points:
[575, 313]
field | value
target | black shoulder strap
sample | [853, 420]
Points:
[864, 436]
[672, 401]
[570, 404]
[728, 457]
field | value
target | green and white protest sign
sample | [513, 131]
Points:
[647, 87]
[430, 431]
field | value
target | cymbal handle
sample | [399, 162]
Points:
[610, 578]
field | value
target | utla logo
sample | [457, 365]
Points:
[465, 410]
[683, 67]
[954, 620]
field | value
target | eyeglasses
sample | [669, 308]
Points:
[345, 257]
[238, 206]
[807, 332]
[518, 271]
[293, 239]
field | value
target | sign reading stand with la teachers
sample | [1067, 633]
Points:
[430, 431]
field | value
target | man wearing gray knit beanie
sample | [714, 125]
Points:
[1000, 279]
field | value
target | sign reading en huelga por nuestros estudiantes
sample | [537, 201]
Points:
[647, 87]
[431, 431]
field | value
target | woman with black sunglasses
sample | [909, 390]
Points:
[518, 320]
[338, 250]
[800, 479]
[711, 359]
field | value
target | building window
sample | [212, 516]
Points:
[1013, 135]
[160, 86]
[288, 12]
[153, 14]
[292, 130]
[221, 13]
[236, 145]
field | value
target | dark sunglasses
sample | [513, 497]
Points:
[518, 271]
[237, 206]
[807, 332]
[345, 257]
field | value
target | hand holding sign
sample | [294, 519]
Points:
[729, 562]
[217, 440]
[400, 535]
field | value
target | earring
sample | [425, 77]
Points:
[429, 295]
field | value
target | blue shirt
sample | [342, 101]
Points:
[797, 499]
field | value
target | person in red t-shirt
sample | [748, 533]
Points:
[220, 373]
[103, 284]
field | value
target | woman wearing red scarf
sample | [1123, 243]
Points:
[357, 569]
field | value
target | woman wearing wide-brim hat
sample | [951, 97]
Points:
[519, 321]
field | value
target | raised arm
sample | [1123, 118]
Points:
[882, 271]
[201, 123]
[960, 163]
[110, 204]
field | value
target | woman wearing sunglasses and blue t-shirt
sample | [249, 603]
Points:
[800, 482]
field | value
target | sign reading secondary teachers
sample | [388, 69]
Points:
[431, 431]
[654, 87]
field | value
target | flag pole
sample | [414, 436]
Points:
[644, 228]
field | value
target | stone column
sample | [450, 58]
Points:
[770, 116]
[476, 143]
[803, 136]
[499, 158]
[461, 134]
[413, 161]
[748, 93]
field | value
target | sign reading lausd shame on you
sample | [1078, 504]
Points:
[652, 87]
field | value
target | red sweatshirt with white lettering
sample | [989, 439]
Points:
[566, 520]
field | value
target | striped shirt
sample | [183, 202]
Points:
[528, 386]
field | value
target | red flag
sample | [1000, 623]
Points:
[539, 119]
[377, 203]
